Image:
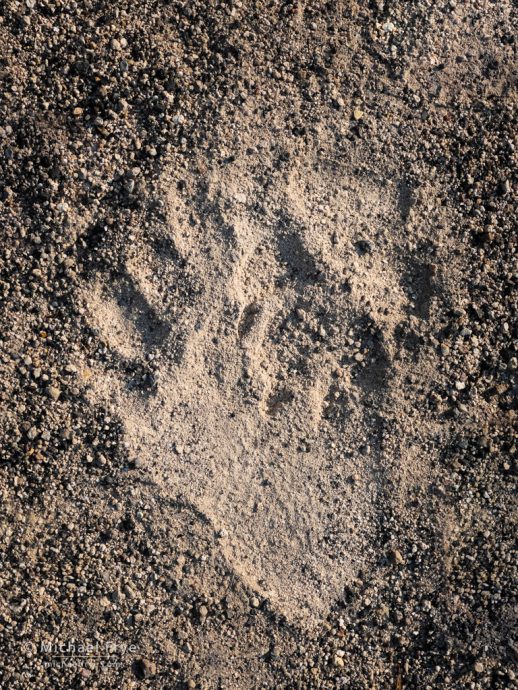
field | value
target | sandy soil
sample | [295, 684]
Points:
[259, 346]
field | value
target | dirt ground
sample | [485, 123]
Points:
[259, 349]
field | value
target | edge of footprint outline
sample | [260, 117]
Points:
[248, 318]
[152, 328]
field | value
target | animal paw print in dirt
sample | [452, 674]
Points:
[248, 349]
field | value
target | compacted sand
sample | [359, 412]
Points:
[259, 347]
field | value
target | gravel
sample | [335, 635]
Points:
[98, 99]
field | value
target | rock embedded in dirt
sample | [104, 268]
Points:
[32, 433]
[53, 392]
[397, 557]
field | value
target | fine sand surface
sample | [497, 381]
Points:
[259, 345]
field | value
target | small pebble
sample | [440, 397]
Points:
[32, 433]
[397, 557]
[53, 392]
